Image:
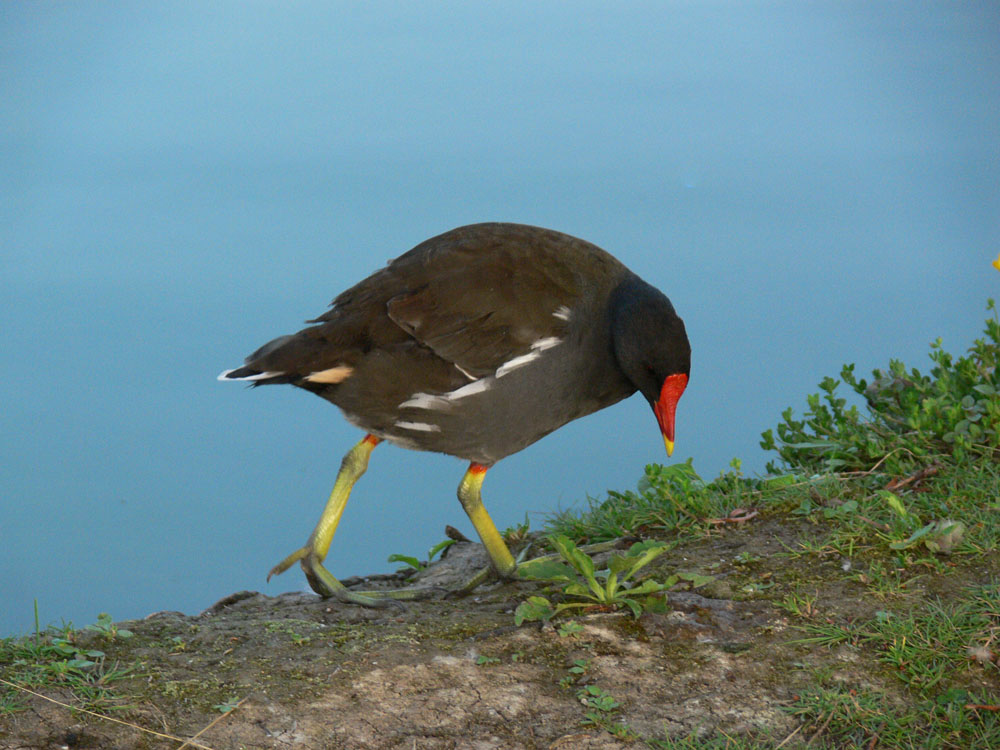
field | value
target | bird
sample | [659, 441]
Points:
[477, 343]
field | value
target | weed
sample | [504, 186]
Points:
[414, 563]
[107, 628]
[229, 705]
[803, 605]
[863, 717]
[517, 533]
[579, 668]
[600, 709]
[668, 498]
[611, 588]
[570, 629]
[60, 657]
[911, 418]
[746, 558]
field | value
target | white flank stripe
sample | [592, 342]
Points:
[424, 401]
[536, 349]
[419, 426]
[562, 312]
[259, 376]
[513, 364]
[542, 344]
[431, 401]
[476, 386]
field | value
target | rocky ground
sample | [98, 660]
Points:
[297, 671]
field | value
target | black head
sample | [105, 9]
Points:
[651, 347]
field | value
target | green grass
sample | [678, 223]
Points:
[67, 659]
[905, 494]
[867, 718]
[882, 540]
[668, 499]
[931, 647]
[720, 742]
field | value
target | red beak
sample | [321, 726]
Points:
[665, 408]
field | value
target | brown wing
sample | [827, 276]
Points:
[477, 296]
[480, 296]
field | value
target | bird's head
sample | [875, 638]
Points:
[652, 349]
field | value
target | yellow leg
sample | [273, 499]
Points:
[470, 495]
[311, 556]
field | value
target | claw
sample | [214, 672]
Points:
[288, 562]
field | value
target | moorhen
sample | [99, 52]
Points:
[476, 343]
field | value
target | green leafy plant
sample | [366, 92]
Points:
[667, 498]
[62, 657]
[953, 410]
[574, 673]
[107, 628]
[517, 533]
[570, 629]
[611, 588]
[228, 706]
[940, 536]
[597, 700]
[600, 710]
[415, 563]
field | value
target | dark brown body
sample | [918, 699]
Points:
[476, 343]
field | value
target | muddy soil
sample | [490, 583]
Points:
[305, 672]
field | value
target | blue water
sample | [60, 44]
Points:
[811, 184]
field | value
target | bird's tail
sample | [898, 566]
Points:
[255, 376]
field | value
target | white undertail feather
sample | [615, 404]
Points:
[562, 312]
[224, 375]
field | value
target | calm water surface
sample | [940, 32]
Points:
[810, 184]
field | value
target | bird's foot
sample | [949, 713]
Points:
[484, 575]
[324, 583]
[489, 573]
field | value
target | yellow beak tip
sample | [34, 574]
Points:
[669, 445]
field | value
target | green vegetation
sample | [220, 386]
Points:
[906, 494]
[860, 579]
[68, 659]
[610, 588]
[912, 419]
[668, 498]
[414, 563]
